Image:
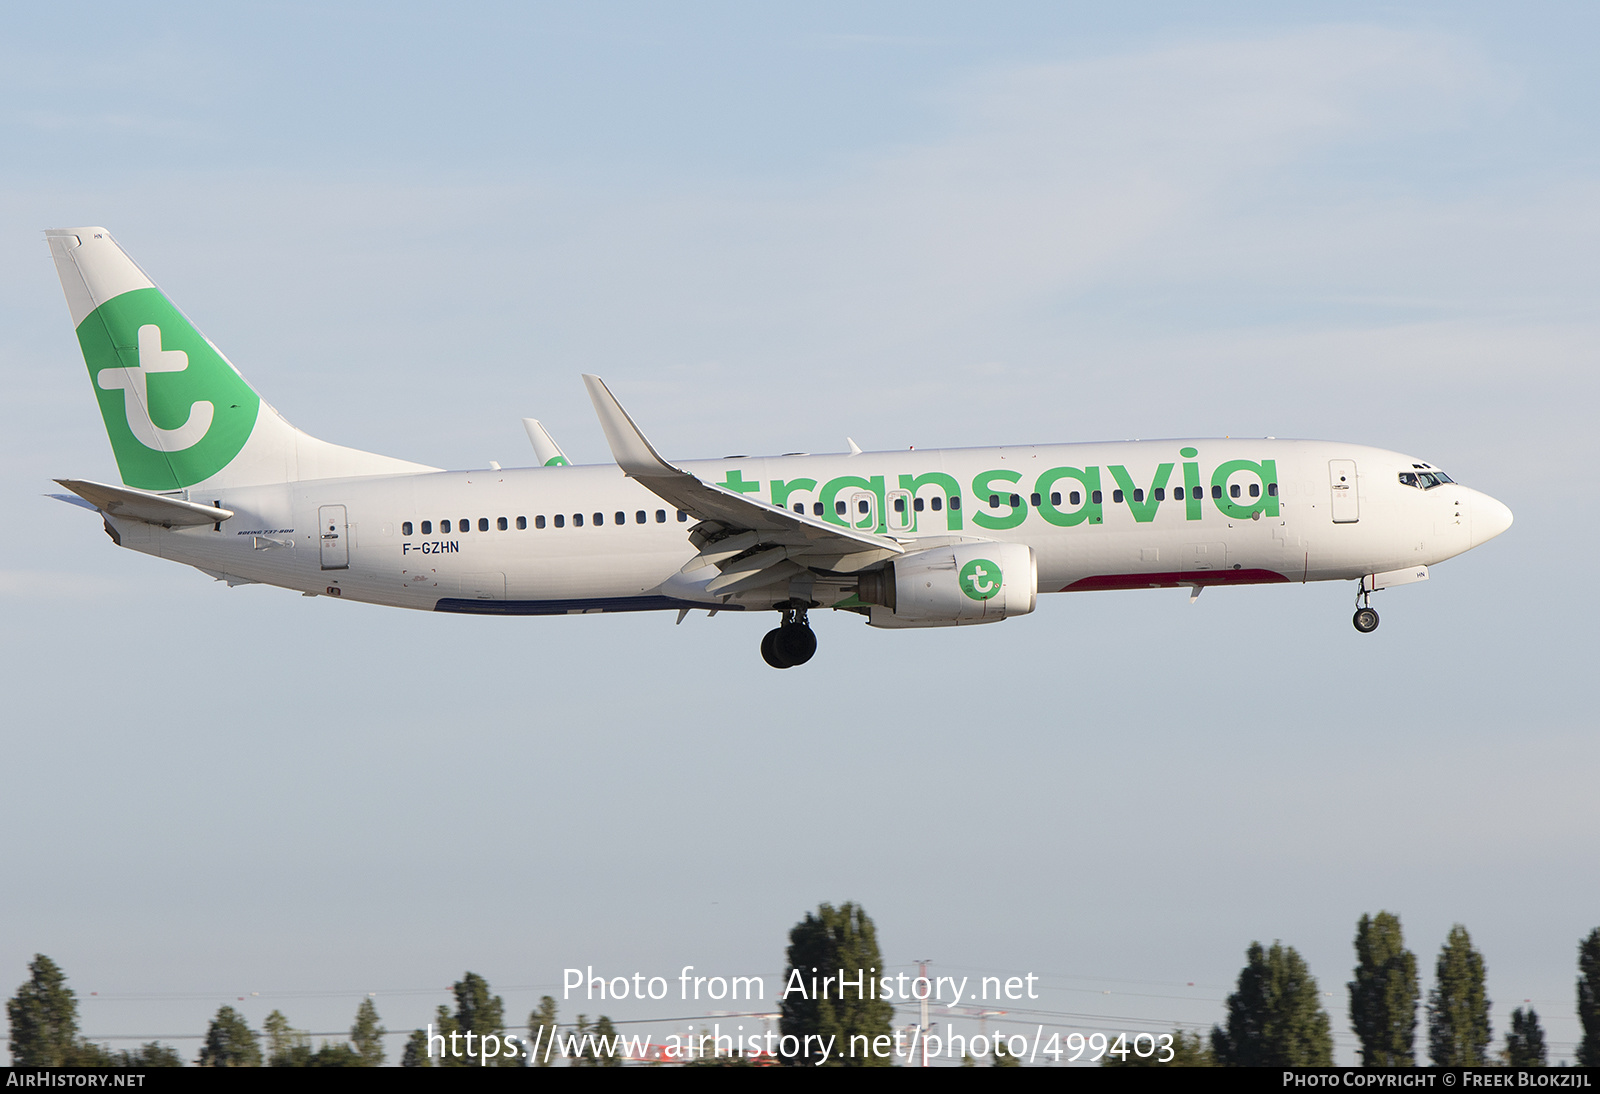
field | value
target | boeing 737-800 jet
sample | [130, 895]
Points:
[214, 477]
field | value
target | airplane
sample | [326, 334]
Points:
[214, 477]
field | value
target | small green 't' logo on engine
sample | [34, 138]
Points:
[980, 579]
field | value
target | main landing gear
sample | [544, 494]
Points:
[792, 642]
[1365, 619]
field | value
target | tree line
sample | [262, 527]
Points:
[1274, 1017]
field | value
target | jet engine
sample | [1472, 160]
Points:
[953, 586]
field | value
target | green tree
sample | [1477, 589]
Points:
[842, 944]
[596, 1044]
[416, 1051]
[367, 1035]
[230, 1042]
[1458, 1009]
[542, 1027]
[151, 1054]
[1001, 1056]
[44, 1017]
[335, 1054]
[286, 1046]
[1525, 1042]
[478, 1013]
[1589, 999]
[483, 1015]
[1384, 994]
[1188, 1050]
[1275, 1019]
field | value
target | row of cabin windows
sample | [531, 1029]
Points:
[560, 519]
[840, 508]
[1160, 494]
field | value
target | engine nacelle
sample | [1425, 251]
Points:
[953, 586]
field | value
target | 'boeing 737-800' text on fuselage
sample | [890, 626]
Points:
[214, 477]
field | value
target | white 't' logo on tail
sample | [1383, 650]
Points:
[136, 397]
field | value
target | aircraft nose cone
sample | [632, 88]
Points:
[1489, 518]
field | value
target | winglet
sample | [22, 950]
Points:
[545, 449]
[635, 455]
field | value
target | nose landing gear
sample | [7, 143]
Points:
[1365, 619]
[791, 643]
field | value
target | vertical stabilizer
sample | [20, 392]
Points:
[177, 412]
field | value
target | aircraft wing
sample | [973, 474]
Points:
[766, 536]
[125, 501]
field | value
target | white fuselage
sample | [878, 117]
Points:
[574, 539]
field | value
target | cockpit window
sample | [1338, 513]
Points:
[1424, 480]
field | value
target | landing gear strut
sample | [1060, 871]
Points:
[1365, 619]
[792, 642]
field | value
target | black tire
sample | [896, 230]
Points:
[1365, 620]
[770, 651]
[796, 643]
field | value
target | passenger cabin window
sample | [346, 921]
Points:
[661, 516]
[682, 516]
[622, 518]
[405, 528]
[538, 521]
[465, 524]
[522, 524]
[839, 508]
[1216, 491]
[1116, 495]
[1160, 493]
[899, 505]
[994, 501]
[1177, 493]
[800, 507]
[862, 505]
[561, 520]
[444, 528]
[955, 501]
[1272, 489]
[427, 527]
[1233, 491]
[1016, 500]
[1138, 495]
[483, 524]
[502, 524]
[1095, 497]
[577, 520]
[816, 509]
[641, 517]
[1255, 490]
[599, 519]
[937, 502]
[1074, 498]
[916, 505]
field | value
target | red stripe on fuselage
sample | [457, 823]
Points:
[1174, 580]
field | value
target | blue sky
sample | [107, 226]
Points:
[769, 228]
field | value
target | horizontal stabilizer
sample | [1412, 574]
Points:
[125, 501]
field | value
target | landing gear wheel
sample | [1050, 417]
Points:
[1365, 620]
[792, 642]
[770, 653]
[796, 642]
